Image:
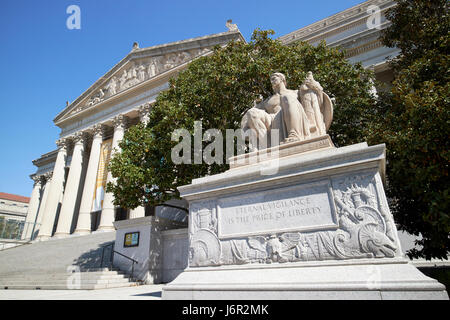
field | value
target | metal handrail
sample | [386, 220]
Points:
[121, 254]
[129, 258]
[103, 253]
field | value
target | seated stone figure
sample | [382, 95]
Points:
[297, 114]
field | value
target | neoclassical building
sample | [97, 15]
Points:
[68, 196]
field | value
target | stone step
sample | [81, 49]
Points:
[64, 287]
[46, 264]
[62, 282]
[57, 254]
[64, 278]
[101, 270]
[64, 275]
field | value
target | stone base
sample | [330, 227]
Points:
[82, 232]
[61, 235]
[281, 151]
[105, 229]
[391, 279]
[318, 226]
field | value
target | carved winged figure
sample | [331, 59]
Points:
[297, 114]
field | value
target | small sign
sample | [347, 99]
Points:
[131, 239]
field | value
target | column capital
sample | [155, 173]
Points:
[120, 121]
[79, 137]
[62, 143]
[98, 129]
[48, 176]
[38, 179]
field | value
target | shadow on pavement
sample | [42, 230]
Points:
[152, 294]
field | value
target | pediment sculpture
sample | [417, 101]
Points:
[298, 115]
[139, 71]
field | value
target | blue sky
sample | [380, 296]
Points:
[44, 64]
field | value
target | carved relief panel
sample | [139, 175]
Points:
[364, 227]
[204, 246]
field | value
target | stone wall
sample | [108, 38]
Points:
[160, 251]
[175, 253]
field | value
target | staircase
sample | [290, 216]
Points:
[101, 278]
[71, 263]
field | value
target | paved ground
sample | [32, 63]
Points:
[147, 292]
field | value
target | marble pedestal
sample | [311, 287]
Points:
[312, 225]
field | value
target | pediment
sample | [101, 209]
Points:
[134, 72]
[142, 65]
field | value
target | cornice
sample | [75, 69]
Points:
[336, 23]
[358, 38]
[46, 158]
[104, 114]
[363, 48]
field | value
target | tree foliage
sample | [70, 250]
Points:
[217, 90]
[413, 120]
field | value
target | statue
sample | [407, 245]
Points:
[132, 73]
[123, 79]
[171, 61]
[231, 26]
[297, 114]
[111, 87]
[141, 73]
[317, 104]
[99, 97]
[151, 69]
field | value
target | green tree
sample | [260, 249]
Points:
[218, 90]
[413, 120]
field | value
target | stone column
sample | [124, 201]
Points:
[54, 192]
[108, 212]
[84, 217]
[46, 187]
[33, 207]
[72, 185]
